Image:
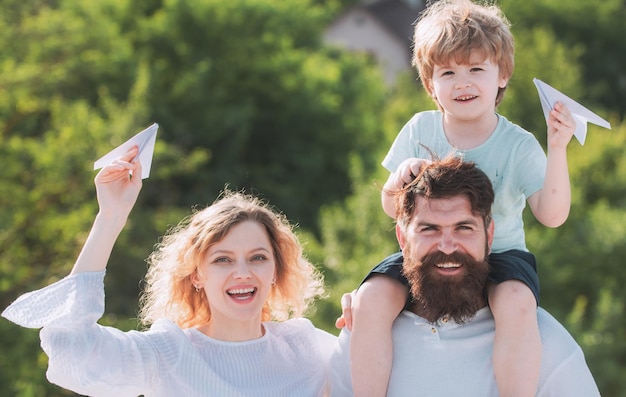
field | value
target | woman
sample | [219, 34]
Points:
[213, 285]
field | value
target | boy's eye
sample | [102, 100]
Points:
[476, 69]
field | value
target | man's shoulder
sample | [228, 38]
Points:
[552, 330]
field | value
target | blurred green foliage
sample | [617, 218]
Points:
[248, 95]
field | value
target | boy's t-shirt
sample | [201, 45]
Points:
[511, 157]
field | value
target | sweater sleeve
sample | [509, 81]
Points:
[84, 356]
[71, 301]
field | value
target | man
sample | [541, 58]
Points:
[442, 342]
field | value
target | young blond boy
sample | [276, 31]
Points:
[464, 56]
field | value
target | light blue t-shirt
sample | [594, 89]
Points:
[511, 157]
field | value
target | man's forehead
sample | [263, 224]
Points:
[444, 210]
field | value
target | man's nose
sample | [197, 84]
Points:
[447, 243]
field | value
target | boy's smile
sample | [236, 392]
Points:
[467, 94]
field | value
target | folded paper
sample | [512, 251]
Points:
[550, 96]
[145, 140]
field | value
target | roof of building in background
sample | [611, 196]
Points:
[381, 28]
[397, 15]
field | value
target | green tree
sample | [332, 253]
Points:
[251, 82]
[248, 95]
[596, 29]
[581, 263]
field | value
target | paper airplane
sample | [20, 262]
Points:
[550, 96]
[145, 140]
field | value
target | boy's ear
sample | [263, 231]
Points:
[504, 81]
[429, 88]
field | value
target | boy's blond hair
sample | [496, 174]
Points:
[452, 29]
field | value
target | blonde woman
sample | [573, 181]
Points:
[225, 293]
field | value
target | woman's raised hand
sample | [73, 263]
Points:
[118, 185]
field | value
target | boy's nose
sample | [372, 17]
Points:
[463, 83]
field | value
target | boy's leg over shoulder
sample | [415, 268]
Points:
[513, 295]
[377, 303]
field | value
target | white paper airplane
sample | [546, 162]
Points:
[145, 140]
[550, 96]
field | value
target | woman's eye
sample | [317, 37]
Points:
[259, 258]
[221, 259]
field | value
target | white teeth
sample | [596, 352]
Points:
[240, 291]
[465, 98]
[448, 265]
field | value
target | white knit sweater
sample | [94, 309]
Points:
[291, 359]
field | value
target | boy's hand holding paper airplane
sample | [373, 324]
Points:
[550, 96]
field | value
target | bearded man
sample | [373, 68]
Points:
[443, 340]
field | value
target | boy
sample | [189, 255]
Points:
[464, 56]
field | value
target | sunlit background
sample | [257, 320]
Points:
[296, 101]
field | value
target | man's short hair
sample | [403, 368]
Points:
[447, 178]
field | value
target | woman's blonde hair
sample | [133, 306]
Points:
[169, 291]
[452, 29]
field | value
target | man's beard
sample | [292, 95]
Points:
[457, 297]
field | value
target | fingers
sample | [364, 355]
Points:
[346, 310]
[121, 167]
[561, 125]
[562, 115]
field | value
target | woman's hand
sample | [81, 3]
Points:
[117, 192]
[118, 185]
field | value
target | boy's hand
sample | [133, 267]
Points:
[561, 126]
[407, 171]
[346, 312]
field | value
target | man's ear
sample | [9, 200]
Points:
[400, 236]
[490, 232]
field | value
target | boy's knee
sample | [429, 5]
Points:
[512, 296]
[380, 294]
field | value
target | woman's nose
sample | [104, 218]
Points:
[242, 270]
